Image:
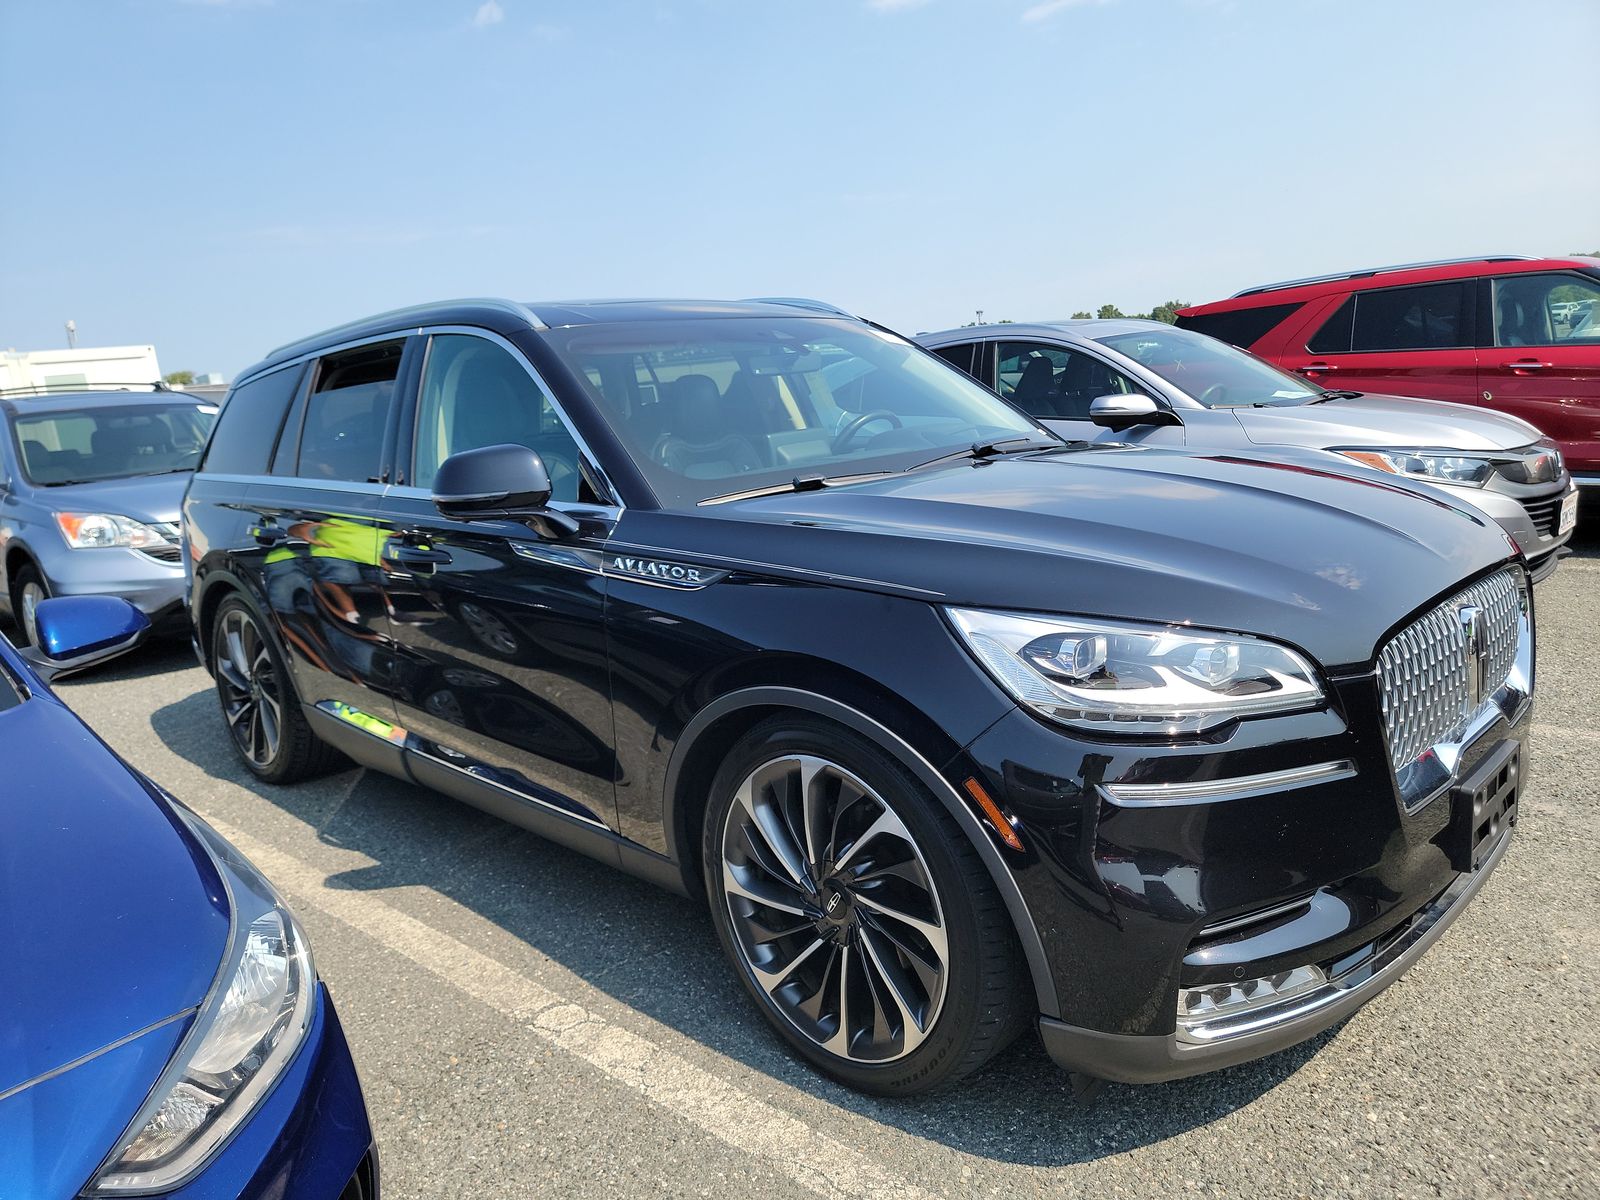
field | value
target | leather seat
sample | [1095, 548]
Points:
[696, 443]
[1035, 390]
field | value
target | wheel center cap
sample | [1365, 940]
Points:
[837, 905]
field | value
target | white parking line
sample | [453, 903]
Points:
[813, 1160]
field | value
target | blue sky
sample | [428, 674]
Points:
[218, 176]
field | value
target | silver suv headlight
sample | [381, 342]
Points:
[1113, 677]
[1441, 466]
[246, 1032]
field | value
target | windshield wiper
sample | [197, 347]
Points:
[982, 450]
[800, 483]
[1335, 394]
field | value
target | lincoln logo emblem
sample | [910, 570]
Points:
[1475, 632]
[833, 902]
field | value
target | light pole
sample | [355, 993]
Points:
[72, 335]
[980, 316]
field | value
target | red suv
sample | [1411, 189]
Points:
[1518, 334]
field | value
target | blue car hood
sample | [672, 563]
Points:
[116, 923]
[142, 497]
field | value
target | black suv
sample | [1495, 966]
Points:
[956, 726]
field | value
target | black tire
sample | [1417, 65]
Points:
[296, 752]
[984, 1001]
[28, 574]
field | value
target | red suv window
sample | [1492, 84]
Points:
[1434, 316]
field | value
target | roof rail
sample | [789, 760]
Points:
[521, 311]
[1364, 273]
[800, 302]
[49, 389]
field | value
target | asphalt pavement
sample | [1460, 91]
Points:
[530, 1023]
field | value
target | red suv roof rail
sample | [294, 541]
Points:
[1369, 271]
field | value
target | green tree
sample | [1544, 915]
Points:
[1107, 311]
[178, 378]
[1168, 312]
[1082, 316]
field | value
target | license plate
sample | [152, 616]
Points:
[1569, 514]
[1483, 807]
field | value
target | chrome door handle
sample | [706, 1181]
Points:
[1316, 368]
[1527, 364]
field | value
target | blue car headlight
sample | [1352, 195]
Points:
[247, 1030]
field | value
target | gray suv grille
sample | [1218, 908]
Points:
[1426, 672]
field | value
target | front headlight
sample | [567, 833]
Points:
[88, 531]
[1111, 677]
[1469, 469]
[245, 1033]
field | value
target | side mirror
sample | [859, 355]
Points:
[499, 483]
[1126, 411]
[80, 631]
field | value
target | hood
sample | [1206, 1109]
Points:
[115, 923]
[1324, 561]
[147, 498]
[1382, 421]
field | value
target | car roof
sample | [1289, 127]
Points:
[96, 398]
[506, 316]
[1091, 328]
[1293, 291]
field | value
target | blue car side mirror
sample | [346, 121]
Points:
[80, 631]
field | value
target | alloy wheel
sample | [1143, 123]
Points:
[33, 595]
[251, 697]
[833, 909]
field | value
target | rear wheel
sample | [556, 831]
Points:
[258, 700]
[28, 590]
[858, 915]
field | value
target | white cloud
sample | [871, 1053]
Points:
[489, 13]
[894, 5]
[1043, 12]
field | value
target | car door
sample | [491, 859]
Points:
[1056, 384]
[1541, 358]
[311, 542]
[501, 683]
[1404, 341]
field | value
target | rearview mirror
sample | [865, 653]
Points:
[1126, 411]
[80, 631]
[500, 483]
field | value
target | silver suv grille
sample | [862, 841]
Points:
[1431, 682]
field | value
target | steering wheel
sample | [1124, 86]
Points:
[1213, 395]
[856, 424]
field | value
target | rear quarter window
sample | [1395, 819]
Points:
[1243, 327]
[247, 428]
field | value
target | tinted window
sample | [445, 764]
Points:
[1546, 310]
[79, 445]
[1053, 383]
[476, 393]
[347, 414]
[709, 407]
[249, 424]
[1432, 317]
[1334, 336]
[1214, 373]
[1242, 327]
[959, 357]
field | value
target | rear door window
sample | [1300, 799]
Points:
[1243, 327]
[959, 357]
[1434, 316]
[347, 414]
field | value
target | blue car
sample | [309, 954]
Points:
[90, 483]
[162, 1027]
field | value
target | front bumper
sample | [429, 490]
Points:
[1152, 1058]
[309, 1139]
[1529, 515]
[154, 587]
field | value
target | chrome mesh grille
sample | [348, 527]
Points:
[1424, 672]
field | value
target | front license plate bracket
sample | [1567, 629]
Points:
[1483, 807]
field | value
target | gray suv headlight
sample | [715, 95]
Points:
[1439, 466]
[246, 1032]
[1113, 677]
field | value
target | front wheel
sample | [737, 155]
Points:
[858, 915]
[28, 590]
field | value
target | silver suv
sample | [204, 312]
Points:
[1144, 381]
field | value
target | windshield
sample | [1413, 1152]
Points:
[708, 407]
[82, 445]
[1212, 372]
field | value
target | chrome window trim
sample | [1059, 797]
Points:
[510, 307]
[576, 508]
[297, 481]
[430, 331]
[1237, 787]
